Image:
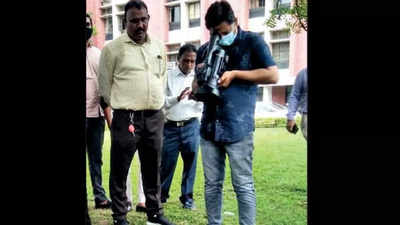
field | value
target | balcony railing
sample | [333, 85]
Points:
[194, 22]
[109, 36]
[257, 12]
[175, 26]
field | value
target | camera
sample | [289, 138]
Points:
[208, 75]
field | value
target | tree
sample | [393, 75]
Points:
[295, 16]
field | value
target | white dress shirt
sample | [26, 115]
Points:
[184, 109]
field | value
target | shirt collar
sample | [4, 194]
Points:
[125, 38]
[178, 72]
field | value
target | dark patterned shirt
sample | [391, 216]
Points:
[233, 118]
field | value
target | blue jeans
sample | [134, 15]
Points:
[94, 144]
[240, 156]
[186, 140]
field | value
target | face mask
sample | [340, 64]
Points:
[228, 39]
[89, 32]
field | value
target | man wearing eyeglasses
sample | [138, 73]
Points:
[132, 81]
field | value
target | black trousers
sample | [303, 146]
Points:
[149, 125]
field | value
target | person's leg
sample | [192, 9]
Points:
[129, 189]
[150, 160]
[240, 156]
[123, 146]
[141, 196]
[141, 204]
[304, 125]
[169, 158]
[213, 157]
[190, 145]
[95, 137]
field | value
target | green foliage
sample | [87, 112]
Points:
[295, 16]
[273, 122]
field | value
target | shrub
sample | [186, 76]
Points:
[273, 122]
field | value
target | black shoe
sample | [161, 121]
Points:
[121, 222]
[129, 206]
[106, 205]
[157, 219]
[189, 204]
[140, 208]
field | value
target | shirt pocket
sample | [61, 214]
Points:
[156, 65]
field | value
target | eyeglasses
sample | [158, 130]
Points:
[137, 20]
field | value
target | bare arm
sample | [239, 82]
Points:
[260, 76]
[108, 116]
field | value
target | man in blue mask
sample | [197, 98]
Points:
[227, 127]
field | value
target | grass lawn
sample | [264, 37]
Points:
[280, 176]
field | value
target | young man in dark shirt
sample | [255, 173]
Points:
[227, 127]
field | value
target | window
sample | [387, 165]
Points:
[105, 2]
[194, 14]
[174, 18]
[195, 43]
[281, 34]
[257, 8]
[260, 94]
[280, 48]
[257, 4]
[108, 28]
[283, 3]
[172, 57]
[280, 53]
[120, 21]
[106, 11]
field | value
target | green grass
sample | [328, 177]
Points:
[280, 176]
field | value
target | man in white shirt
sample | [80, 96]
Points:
[181, 130]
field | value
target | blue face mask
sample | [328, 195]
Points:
[228, 39]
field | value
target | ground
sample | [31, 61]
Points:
[280, 176]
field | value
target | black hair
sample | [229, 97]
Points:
[219, 12]
[91, 22]
[186, 48]
[139, 4]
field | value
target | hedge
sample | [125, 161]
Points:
[273, 122]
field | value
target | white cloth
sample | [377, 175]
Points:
[184, 109]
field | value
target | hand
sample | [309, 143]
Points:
[226, 78]
[109, 124]
[290, 124]
[184, 93]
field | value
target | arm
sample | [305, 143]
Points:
[260, 76]
[293, 102]
[170, 100]
[108, 116]
[106, 70]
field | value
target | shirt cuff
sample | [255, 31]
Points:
[290, 116]
[172, 100]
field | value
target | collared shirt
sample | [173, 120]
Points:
[298, 97]
[184, 109]
[233, 118]
[133, 76]
[93, 108]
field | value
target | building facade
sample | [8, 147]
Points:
[176, 22]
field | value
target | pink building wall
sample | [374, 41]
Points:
[297, 52]
[158, 24]
[93, 8]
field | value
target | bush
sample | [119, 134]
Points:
[273, 122]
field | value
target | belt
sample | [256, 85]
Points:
[136, 112]
[180, 123]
